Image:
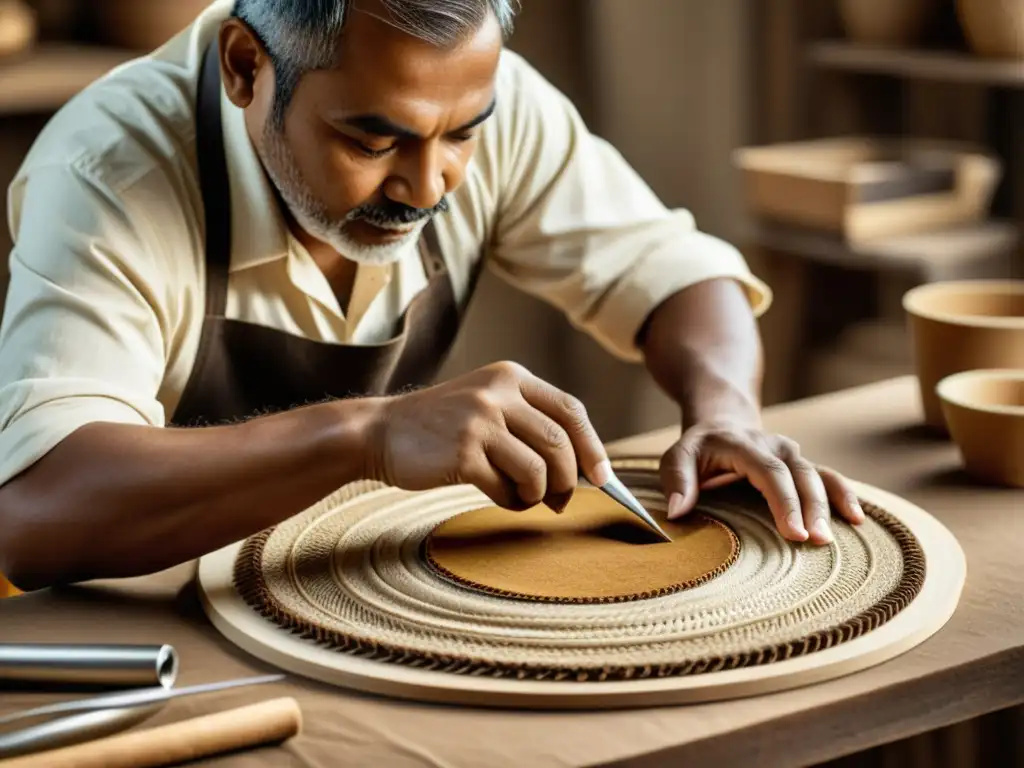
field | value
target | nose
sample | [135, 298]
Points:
[420, 179]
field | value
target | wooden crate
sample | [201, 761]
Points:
[862, 189]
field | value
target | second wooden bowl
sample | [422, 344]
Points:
[960, 326]
[985, 413]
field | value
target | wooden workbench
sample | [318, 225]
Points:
[973, 666]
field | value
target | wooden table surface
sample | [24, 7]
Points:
[974, 665]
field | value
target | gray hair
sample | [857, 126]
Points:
[302, 35]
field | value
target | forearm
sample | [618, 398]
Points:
[703, 348]
[114, 500]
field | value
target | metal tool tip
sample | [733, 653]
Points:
[662, 534]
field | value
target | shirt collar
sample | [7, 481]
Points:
[258, 229]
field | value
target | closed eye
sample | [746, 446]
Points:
[371, 152]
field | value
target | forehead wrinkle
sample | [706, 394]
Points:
[412, 102]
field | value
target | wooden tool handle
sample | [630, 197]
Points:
[268, 722]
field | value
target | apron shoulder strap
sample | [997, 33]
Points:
[213, 180]
[430, 251]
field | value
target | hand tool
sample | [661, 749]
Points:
[80, 720]
[617, 490]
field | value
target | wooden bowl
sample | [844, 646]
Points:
[985, 413]
[960, 326]
[886, 22]
[993, 28]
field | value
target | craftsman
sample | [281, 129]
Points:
[239, 263]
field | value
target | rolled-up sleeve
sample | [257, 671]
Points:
[578, 228]
[82, 338]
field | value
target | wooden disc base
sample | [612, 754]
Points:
[364, 668]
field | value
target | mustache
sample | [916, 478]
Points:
[396, 213]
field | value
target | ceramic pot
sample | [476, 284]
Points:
[993, 28]
[960, 326]
[18, 27]
[143, 24]
[985, 414]
[886, 22]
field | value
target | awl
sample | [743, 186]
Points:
[617, 490]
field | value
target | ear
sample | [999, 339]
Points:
[242, 57]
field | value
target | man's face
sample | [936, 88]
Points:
[369, 148]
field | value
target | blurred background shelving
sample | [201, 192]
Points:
[598, 52]
[44, 79]
[743, 73]
[930, 65]
[678, 86]
[914, 69]
[51, 49]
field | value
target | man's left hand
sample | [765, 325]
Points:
[800, 494]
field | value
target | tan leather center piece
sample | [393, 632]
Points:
[595, 551]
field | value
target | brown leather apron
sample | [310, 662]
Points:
[242, 369]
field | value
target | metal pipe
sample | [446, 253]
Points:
[103, 665]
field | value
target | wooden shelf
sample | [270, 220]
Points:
[917, 64]
[934, 255]
[44, 79]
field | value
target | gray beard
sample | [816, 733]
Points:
[312, 216]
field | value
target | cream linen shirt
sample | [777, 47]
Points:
[106, 299]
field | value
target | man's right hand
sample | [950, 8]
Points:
[74, 516]
[517, 438]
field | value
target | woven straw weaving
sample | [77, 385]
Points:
[365, 573]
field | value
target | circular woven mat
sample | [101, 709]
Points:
[347, 592]
[356, 577]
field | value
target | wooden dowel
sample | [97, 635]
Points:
[268, 722]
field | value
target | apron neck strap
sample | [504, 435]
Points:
[213, 179]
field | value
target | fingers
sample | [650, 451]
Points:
[771, 476]
[733, 456]
[495, 484]
[571, 416]
[801, 496]
[517, 462]
[766, 472]
[679, 478]
[551, 447]
[842, 496]
[813, 496]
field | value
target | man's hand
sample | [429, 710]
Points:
[711, 455]
[500, 428]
